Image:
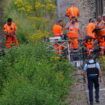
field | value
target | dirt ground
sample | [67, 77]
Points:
[79, 93]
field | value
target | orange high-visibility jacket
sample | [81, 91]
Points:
[73, 12]
[10, 29]
[73, 30]
[89, 45]
[101, 26]
[57, 31]
[89, 30]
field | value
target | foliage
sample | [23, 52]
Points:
[102, 61]
[33, 17]
[34, 77]
[30, 74]
[39, 7]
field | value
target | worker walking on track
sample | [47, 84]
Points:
[94, 74]
[90, 36]
[73, 33]
[58, 32]
[101, 34]
[10, 33]
[73, 11]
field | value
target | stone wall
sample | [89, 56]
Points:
[87, 10]
[104, 6]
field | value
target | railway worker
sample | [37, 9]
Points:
[10, 33]
[94, 75]
[73, 33]
[90, 36]
[101, 34]
[73, 11]
[58, 32]
[98, 27]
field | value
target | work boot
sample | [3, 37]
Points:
[91, 103]
[97, 101]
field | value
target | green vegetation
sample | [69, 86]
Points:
[33, 18]
[30, 74]
[33, 76]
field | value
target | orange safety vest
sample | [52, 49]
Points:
[57, 31]
[73, 30]
[89, 45]
[10, 29]
[89, 30]
[73, 12]
[98, 26]
[101, 26]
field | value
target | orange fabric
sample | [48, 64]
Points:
[10, 29]
[73, 33]
[102, 46]
[89, 30]
[101, 26]
[73, 30]
[58, 48]
[74, 43]
[11, 41]
[72, 12]
[57, 30]
[89, 46]
[102, 42]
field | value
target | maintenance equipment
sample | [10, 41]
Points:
[76, 57]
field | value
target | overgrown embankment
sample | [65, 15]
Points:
[30, 74]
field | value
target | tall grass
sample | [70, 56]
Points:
[30, 74]
[34, 76]
[29, 23]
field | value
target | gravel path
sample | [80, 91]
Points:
[79, 93]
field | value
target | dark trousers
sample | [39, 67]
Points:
[93, 82]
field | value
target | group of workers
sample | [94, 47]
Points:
[94, 34]
[95, 30]
[73, 28]
[9, 30]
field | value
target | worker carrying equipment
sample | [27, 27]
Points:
[10, 33]
[94, 73]
[72, 12]
[58, 32]
[90, 36]
[73, 33]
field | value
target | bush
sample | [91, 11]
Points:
[29, 20]
[34, 76]
[30, 74]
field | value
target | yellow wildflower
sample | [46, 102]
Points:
[60, 76]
